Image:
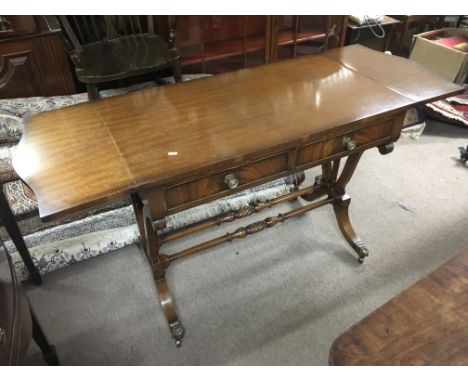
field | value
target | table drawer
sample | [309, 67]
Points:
[224, 181]
[321, 150]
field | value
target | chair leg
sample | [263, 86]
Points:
[176, 70]
[9, 221]
[93, 92]
[48, 351]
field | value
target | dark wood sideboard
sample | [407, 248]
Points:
[33, 61]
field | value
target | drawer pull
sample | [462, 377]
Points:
[231, 181]
[349, 143]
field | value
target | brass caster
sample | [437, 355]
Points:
[177, 332]
[362, 252]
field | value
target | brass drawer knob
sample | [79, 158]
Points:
[231, 181]
[349, 143]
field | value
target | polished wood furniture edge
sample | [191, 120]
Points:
[393, 81]
[30, 36]
[425, 324]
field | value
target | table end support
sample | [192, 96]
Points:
[341, 206]
[175, 327]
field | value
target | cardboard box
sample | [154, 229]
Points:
[448, 62]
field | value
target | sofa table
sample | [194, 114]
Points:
[183, 145]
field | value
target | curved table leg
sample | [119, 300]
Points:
[329, 183]
[340, 206]
[341, 203]
[159, 263]
[177, 330]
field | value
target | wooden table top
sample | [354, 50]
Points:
[82, 155]
[427, 324]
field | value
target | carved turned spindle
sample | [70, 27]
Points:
[255, 227]
[243, 212]
[233, 215]
[250, 229]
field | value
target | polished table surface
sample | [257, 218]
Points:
[82, 155]
[427, 324]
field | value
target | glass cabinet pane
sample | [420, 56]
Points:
[214, 44]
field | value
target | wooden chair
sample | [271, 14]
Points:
[17, 321]
[108, 48]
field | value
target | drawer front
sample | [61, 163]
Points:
[323, 149]
[211, 185]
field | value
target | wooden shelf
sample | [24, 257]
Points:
[287, 37]
[224, 49]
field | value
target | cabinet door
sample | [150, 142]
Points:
[302, 35]
[36, 66]
[54, 66]
[18, 71]
[214, 44]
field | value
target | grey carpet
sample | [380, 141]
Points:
[277, 298]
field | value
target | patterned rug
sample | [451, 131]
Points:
[453, 110]
[59, 247]
[414, 123]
